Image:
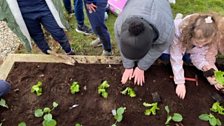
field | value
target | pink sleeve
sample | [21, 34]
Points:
[176, 55]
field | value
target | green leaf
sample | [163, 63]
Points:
[216, 107]
[105, 94]
[218, 122]
[148, 112]
[47, 110]
[152, 110]
[3, 103]
[22, 124]
[121, 110]
[55, 104]
[219, 76]
[177, 117]
[131, 92]
[114, 125]
[37, 89]
[169, 118]
[212, 121]
[48, 117]
[49, 123]
[167, 109]
[204, 117]
[78, 124]
[75, 88]
[38, 113]
[119, 118]
[125, 91]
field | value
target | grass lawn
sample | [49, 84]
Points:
[80, 43]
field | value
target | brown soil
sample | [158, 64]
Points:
[93, 110]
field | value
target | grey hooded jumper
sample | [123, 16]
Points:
[155, 12]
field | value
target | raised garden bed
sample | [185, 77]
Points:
[92, 109]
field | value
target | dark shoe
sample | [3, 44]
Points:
[84, 30]
[71, 53]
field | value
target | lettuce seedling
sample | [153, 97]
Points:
[74, 88]
[176, 116]
[216, 107]
[118, 114]
[102, 89]
[219, 76]
[3, 103]
[46, 114]
[152, 110]
[78, 124]
[129, 91]
[37, 88]
[22, 124]
[213, 121]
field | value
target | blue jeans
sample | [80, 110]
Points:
[4, 87]
[78, 9]
[166, 57]
[33, 22]
[98, 25]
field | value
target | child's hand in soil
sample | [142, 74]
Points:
[181, 90]
[126, 75]
[138, 76]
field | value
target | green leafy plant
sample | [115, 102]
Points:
[3, 103]
[152, 110]
[22, 124]
[213, 121]
[37, 88]
[176, 117]
[75, 88]
[216, 107]
[219, 76]
[129, 91]
[102, 89]
[118, 114]
[46, 114]
[78, 124]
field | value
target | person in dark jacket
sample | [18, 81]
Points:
[96, 13]
[143, 31]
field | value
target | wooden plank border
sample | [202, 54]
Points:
[7, 65]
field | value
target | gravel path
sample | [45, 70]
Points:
[9, 42]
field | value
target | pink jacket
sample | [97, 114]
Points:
[199, 56]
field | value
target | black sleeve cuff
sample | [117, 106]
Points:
[209, 73]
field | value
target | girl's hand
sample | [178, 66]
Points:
[181, 91]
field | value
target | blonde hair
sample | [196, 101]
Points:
[198, 22]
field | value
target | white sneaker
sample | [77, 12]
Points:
[106, 53]
[96, 43]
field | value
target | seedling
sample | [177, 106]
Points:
[216, 107]
[129, 91]
[102, 89]
[78, 124]
[219, 76]
[22, 124]
[152, 110]
[74, 88]
[46, 114]
[37, 88]
[176, 116]
[213, 121]
[118, 114]
[3, 103]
